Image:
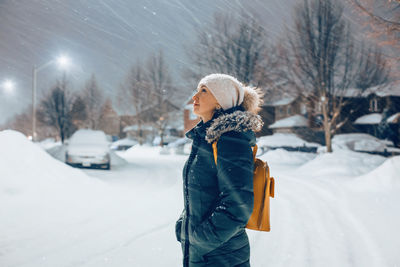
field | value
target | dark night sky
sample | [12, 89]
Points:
[105, 38]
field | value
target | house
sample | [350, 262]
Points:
[164, 120]
[374, 112]
[289, 115]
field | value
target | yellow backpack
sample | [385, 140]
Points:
[264, 187]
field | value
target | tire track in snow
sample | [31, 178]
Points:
[334, 211]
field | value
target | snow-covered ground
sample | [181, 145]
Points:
[338, 209]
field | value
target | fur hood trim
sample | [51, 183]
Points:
[238, 121]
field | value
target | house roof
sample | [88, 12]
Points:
[290, 122]
[373, 118]
[388, 89]
[283, 101]
[391, 89]
[136, 128]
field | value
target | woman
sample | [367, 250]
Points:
[218, 198]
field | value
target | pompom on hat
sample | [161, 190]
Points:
[229, 92]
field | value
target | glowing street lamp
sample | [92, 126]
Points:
[63, 62]
[8, 86]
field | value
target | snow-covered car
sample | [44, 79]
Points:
[287, 141]
[88, 148]
[181, 146]
[362, 142]
[123, 144]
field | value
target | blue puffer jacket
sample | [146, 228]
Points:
[218, 198]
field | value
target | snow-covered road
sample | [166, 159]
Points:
[330, 210]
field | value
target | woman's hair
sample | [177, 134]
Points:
[253, 99]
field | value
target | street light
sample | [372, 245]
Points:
[8, 86]
[62, 62]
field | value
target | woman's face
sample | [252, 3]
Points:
[204, 103]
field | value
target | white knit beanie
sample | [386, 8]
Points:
[228, 91]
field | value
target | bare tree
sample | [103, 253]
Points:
[385, 15]
[135, 95]
[94, 99]
[383, 24]
[79, 112]
[147, 92]
[373, 68]
[232, 45]
[55, 109]
[161, 92]
[325, 62]
[109, 122]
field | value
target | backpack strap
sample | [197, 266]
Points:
[214, 146]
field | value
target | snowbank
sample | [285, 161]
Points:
[25, 167]
[383, 178]
[35, 186]
[340, 164]
[48, 143]
[283, 157]
[283, 139]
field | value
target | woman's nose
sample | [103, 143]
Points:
[195, 97]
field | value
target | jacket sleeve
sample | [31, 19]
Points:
[235, 205]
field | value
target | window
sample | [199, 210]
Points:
[373, 105]
[303, 108]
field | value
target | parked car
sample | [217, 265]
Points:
[88, 148]
[181, 146]
[362, 142]
[123, 144]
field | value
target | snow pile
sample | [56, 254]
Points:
[385, 177]
[293, 121]
[48, 143]
[25, 167]
[37, 188]
[340, 164]
[283, 139]
[281, 157]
